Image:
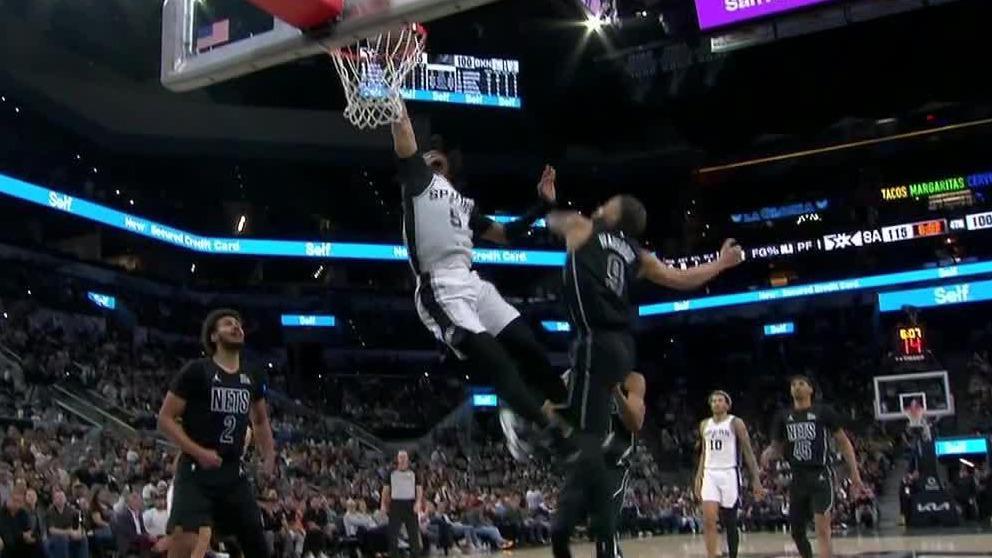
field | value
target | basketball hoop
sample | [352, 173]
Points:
[917, 420]
[372, 72]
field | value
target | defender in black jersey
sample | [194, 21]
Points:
[802, 435]
[578, 499]
[604, 258]
[207, 412]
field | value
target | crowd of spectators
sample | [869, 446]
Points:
[327, 498]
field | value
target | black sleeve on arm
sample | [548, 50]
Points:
[518, 228]
[414, 174]
[185, 383]
[479, 223]
[261, 390]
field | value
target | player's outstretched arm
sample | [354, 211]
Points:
[505, 234]
[632, 408]
[657, 272]
[744, 437]
[404, 140]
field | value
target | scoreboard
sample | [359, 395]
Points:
[465, 80]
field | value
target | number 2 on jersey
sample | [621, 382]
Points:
[230, 423]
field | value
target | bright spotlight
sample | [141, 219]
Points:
[242, 221]
[593, 23]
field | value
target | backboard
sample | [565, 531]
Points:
[894, 394]
[209, 41]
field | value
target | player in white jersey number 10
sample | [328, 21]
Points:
[725, 440]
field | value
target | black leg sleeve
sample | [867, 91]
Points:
[488, 356]
[729, 518]
[519, 341]
[797, 523]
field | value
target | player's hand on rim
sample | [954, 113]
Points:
[731, 253]
[546, 186]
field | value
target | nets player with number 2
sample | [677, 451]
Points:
[801, 435]
[725, 440]
[453, 302]
[215, 398]
[604, 258]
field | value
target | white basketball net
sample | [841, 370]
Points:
[372, 72]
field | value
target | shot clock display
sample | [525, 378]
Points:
[910, 341]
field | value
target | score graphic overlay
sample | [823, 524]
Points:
[464, 80]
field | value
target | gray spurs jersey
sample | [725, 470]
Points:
[439, 223]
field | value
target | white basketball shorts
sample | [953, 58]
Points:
[721, 485]
[453, 301]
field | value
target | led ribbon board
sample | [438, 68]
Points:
[784, 328]
[102, 300]
[961, 446]
[300, 320]
[814, 289]
[945, 295]
[934, 187]
[556, 327]
[249, 247]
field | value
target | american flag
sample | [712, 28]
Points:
[213, 35]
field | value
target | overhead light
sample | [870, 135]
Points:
[242, 221]
[966, 462]
[5, 315]
[130, 202]
[427, 374]
[270, 365]
[317, 273]
[192, 268]
[593, 23]
[29, 292]
[118, 192]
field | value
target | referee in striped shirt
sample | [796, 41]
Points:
[401, 499]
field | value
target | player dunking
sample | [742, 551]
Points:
[604, 258]
[215, 398]
[454, 303]
[725, 440]
[803, 433]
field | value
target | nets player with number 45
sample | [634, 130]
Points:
[802, 435]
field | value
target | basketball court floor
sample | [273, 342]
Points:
[927, 544]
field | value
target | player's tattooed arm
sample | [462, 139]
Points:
[744, 437]
[659, 273]
[404, 140]
[698, 484]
